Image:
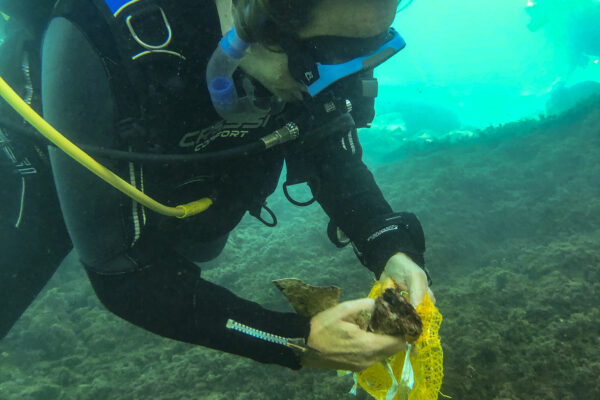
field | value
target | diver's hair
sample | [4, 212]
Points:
[266, 21]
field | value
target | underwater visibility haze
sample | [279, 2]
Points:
[487, 127]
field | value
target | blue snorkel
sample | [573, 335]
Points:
[219, 76]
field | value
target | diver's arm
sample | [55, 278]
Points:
[166, 295]
[348, 193]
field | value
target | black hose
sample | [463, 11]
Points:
[241, 151]
[343, 122]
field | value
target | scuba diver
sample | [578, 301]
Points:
[209, 98]
[34, 237]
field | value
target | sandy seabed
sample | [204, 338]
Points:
[512, 220]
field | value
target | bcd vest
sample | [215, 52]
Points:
[155, 53]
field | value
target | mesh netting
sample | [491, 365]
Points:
[427, 362]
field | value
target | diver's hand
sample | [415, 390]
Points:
[337, 342]
[403, 270]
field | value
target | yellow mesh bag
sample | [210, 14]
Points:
[426, 363]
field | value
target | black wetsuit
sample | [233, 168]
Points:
[33, 238]
[140, 263]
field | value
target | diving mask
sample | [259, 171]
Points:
[316, 65]
[320, 62]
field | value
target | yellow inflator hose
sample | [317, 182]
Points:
[180, 211]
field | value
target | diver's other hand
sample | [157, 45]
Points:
[341, 344]
[403, 270]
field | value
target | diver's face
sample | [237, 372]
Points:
[348, 18]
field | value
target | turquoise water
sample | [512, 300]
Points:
[480, 60]
[469, 65]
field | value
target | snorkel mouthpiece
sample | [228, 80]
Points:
[219, 76]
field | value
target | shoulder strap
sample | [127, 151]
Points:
[96, 27]
[146, 46]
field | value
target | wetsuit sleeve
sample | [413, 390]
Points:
[165, 294]
[348, 193]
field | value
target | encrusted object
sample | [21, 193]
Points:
[393, 314]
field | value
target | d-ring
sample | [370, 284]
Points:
[144, 44]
